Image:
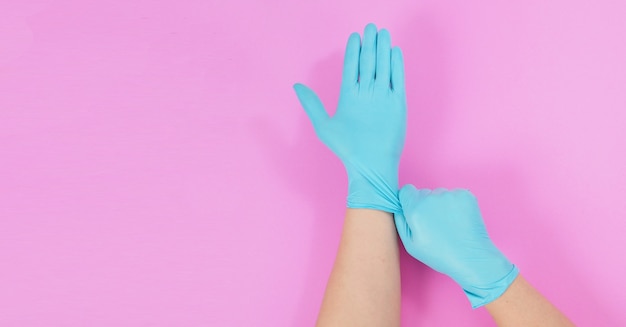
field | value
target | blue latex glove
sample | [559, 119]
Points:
[368, 129]
[445, 230]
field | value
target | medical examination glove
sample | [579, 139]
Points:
[445, 230]
[368, 128]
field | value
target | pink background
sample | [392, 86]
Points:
[156, 168]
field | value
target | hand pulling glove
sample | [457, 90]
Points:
[445, 230]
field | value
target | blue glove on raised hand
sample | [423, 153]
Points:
[368, 129]
[445, 230]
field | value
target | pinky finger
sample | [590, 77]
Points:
[397, 70]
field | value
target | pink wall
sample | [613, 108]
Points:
[157, 170]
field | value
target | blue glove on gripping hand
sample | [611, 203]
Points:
[445, 230]
[368, 129]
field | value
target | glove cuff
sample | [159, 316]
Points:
[479, 296]
[373, 192]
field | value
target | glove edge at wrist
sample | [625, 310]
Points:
[480, 296]
[373, 191]
[353, 205]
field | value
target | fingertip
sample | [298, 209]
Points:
[406, 192]
[311, 104]
[300, 89]
[304, 93]
[468, 194]
[354, 42]
[384, 34]
[396, 52]
[425, 191]
[408, 187]
[369, 34]
[371, 27]
[354, 36]
[440, 190]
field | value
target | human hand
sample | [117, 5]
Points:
[445, 230]
[368, 129]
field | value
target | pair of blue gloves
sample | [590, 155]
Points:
[442, 228]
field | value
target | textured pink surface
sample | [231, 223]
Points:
[157, 170]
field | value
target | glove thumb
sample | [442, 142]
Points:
[403, 228]
[407, 196]
[311, 104]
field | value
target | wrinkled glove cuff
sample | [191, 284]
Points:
[373, 193]
[479, 296]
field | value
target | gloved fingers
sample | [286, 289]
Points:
[350, 76]
[439, 190]
[312, 104]
[424, 192]
[409, 198]
[462, 191]
[408, 194]
[383, 60]
[367, 65]
[397, 70]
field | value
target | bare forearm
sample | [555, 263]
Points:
[364, 286]
[523, 305]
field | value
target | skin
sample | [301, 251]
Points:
[523, 305]
[364, 285]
